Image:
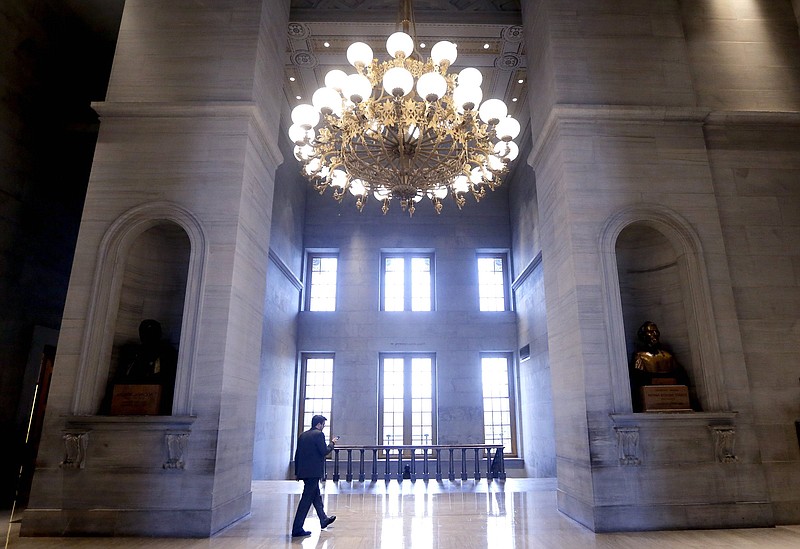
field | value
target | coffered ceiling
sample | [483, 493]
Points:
[488, 34]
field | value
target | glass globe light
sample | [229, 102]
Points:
[307, 152]
[327, 101]
[431, 86]
[460, 184]
[357, 187]
[438, 192]
[476, 175]
[305, 115]
[507, 129]
[381, 193]
[466, 98]
[335, 79]
[300, 135]
[443, 51]
[398, 43]
[357, 88]
[507, 150]
[359, 54]
[492, 111]
[338, 178]
[470, 77]
[495, 163]
[313, 166]
[398, 81]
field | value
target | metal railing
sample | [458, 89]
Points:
[405, 461]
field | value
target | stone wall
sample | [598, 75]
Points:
[456, 331]
[624, 139]
[276, 390]
[756, 169]
[535, 411]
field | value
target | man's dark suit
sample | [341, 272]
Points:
[309, 466]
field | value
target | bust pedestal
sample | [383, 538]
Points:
[665, 398]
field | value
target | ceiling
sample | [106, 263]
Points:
[488, 34]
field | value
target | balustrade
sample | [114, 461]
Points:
[400, 461]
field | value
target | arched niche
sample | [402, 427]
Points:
[654, 269]
[649, 274]
[154, 281]
[149, 265]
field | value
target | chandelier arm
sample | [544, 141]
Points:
[400, 146]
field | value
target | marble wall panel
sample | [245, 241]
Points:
[183, 52]
[732, 45]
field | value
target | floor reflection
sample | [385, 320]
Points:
[516, 514]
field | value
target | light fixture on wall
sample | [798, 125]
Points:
[372, 133]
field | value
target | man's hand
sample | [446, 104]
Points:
[335, 439]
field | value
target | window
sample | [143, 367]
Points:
[492, 282]
[498, 409]
[407, 282]
[321, 280]
[316, 385]
[407, 399]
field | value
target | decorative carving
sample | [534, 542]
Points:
[304, 58]
[75, 444]
[176, 446]
[628, 445]
[298, 31]
[507, 62]
[724, 441]
[512, 34]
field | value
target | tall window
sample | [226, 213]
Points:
[407, 282]
[316, 386]
[492, 282]
[498, 406]
[407, 399]
[321, 280]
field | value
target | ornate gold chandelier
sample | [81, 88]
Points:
[369, 133]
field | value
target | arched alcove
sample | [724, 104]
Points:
[150, 265]
[650, 287]
[153, 287]
[654, 269]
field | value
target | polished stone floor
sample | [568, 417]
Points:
[515, 514]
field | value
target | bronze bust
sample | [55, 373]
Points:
[651, 364]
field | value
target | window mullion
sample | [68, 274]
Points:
[408, 401]
[407, 274]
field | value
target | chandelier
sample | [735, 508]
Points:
[404, 129]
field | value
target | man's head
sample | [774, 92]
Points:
[318, 422]
[649, 334]
[150, 332]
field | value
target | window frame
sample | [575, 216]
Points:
[407, 397]
[512, 398]
[504, 257]
[408, 297]
[309, 278]
[303, 386]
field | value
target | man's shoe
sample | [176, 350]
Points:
[328, 521]
[301, 533]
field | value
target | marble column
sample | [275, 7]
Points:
[188, 139]
[619, 142]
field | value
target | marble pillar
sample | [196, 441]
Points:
[188, 139]
[619, 143]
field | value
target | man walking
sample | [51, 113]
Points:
[309, 466]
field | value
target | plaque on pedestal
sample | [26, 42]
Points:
[135, 400]
[665, 398]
